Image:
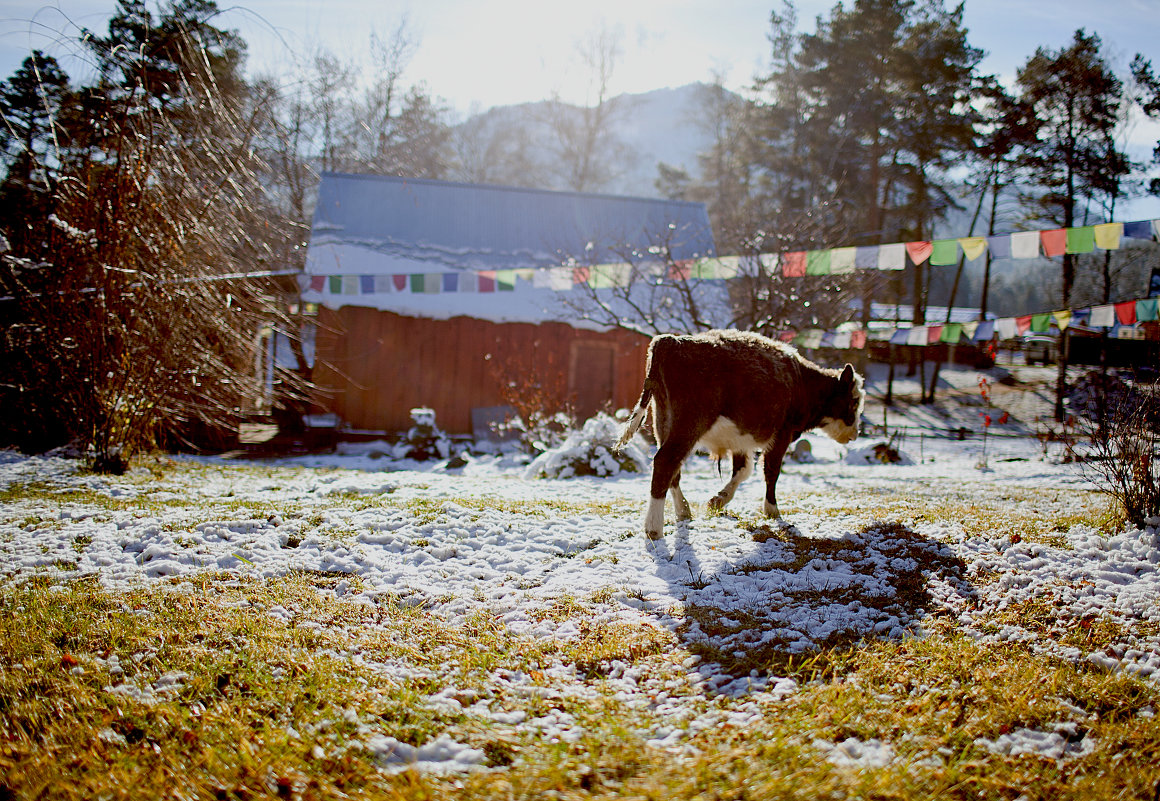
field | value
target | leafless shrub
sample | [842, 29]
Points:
[1119, 442]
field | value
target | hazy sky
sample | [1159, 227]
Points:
[477, 54]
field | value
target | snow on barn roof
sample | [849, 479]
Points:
[438, 249]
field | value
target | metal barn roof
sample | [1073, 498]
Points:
[485, 227]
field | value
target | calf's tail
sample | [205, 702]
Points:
[638, 414]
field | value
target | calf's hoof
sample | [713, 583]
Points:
[770, 510]
[655, 535]
[717, 503]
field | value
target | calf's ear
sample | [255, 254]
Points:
[847, 377]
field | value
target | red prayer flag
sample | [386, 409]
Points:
[919, 251]
[1054, 242]
[487, 281]
[1126, 312]
[680, 270]
[787, 336]
[793, 265]
[1023, 324]
[933, 334]
[580, 275]
[400, 282]
[857, 339]
[318, 282]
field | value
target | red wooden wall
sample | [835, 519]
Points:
[373, 367]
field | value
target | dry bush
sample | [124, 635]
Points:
[1119, 436]
[132, 328]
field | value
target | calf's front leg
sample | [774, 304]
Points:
[666, 475]
[771, 463]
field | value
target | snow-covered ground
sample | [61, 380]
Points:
[485, 537]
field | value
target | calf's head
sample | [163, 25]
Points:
[843, 409]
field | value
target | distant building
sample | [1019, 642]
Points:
[439, 294]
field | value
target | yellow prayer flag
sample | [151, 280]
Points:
[1108, 235]
[1062, 319]
[973, 246]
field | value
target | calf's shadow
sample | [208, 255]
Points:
[798, 597]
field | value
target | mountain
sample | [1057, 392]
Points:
[506, 144]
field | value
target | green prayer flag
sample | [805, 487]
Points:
[336, 284]
[1148, 311]
[944, 252]
[1041, 323]
[418, 283]
[952, 333]
[1082, 239]
[505, 280]
[818, 262]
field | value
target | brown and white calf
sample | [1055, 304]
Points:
[735, 392]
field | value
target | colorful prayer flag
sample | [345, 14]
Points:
[1103, 317]
[1041, 323]
[952, 333]
[933, 334]
[858, 339]
[400, 282]
[1054, 242]
[1062, 318]
[818, 262]
[1081, 239]
[1025, 245]
[1022, 324]
[793, 265]
[973, 246]
[919, 251]
[335, 285]
[866, 257]
[842, 260]
[505, 280]
[450, 282]
[1006, 328]
[944, 252]
[1108, 235]
[366, 284]
[1138, 229]
[1000, 246]
[892, 256]
[917, 335]
[1148, 311]
[487, 281]
[1126, 312]
[318, 282]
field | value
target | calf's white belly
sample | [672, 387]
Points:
[725, 437]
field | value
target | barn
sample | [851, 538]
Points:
[453, 296]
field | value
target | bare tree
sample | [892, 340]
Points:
[589, 156]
